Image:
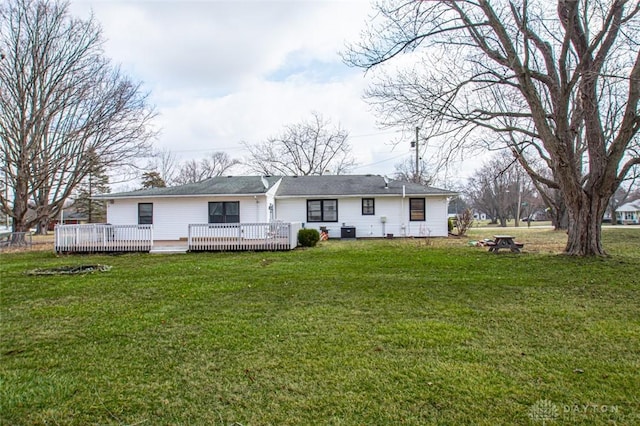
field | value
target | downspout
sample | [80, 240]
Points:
[403, 228]
[255, 197]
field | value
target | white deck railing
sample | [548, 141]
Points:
[100, 237]
[202, 237]
[243, 236]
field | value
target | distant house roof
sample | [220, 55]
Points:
[74, 215]
[633, 206]
[291, 186]
[351, 185]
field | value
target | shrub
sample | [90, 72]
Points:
[308, 237]
[450, 225]
[464, 222]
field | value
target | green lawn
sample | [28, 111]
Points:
[379, 332]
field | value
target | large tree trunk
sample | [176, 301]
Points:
[20, 207]
[585, 227]
[614, 218]
[43, 226]
[559, 219]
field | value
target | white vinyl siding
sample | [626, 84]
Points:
[172, 216]
[394, 209]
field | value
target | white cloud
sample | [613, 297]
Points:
[222, 72]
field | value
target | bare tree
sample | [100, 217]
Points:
[501, 189]
[61, 104]
[165, 164]
[218, 164]
[406, 171]
[558, 84]
[312, 147]
[189, 172]
[215, 164]
[488, 190]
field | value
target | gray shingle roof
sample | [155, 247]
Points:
[632, 206]
[221, 185]
[336, 185]
[291, 186]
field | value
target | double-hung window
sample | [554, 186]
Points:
[322, 210]
[224, 212]
[145, 213]
[416, 209]
[368, 206]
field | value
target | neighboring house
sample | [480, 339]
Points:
[479, 215]
[363, 205]
[629, 213]
[68, 217]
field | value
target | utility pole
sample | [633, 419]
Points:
[417, 158]
[90, 194]
[417, 169]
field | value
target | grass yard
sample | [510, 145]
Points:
[385, 332]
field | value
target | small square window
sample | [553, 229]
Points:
[368, 206]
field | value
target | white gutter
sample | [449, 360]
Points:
[403, 227]
[283, 197]
[124, 197]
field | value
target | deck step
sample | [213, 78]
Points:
[169, 250]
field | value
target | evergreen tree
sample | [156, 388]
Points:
[152, 179]
[95, 183]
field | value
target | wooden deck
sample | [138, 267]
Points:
[103, 238]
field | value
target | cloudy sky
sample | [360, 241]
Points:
[222, 72]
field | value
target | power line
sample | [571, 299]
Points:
[237, 148]
[375, 134]
[379, 162]
[223, 148]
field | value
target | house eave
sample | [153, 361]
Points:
[124, 197]
[448, 194]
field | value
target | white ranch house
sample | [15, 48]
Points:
[257, 207]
